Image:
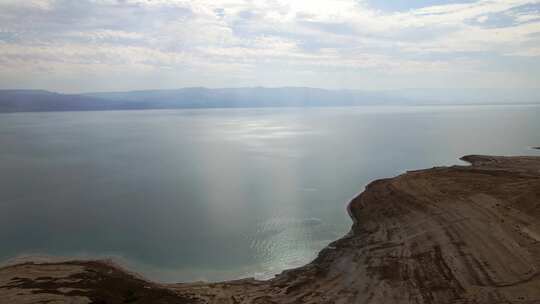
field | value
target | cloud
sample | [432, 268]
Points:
[261, 39]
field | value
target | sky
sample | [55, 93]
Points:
[112, 45]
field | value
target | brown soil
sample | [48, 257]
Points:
[460, 234]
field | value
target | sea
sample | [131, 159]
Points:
[219, 194]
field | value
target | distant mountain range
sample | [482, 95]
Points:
[40, 101]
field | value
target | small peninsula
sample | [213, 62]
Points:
[459, 234]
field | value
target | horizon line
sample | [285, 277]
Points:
[262, 87]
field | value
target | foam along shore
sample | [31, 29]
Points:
[460, 234]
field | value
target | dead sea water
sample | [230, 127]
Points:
[181, 195]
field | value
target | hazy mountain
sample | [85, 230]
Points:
[468, 96]
[246, 97]
[37, 100]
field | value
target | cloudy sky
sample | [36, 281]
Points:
[102, 45]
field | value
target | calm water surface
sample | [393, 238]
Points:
[219, 194]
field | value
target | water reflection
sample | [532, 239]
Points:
[220, 194]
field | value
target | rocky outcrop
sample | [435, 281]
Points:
[460, 234]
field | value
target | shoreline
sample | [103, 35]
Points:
[368, 106]
[438, 235]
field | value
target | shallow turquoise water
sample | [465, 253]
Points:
[219, 194]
